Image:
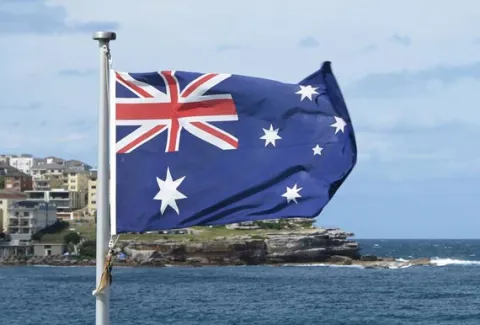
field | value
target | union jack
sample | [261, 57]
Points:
[155, 111]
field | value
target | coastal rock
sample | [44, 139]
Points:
[340, 260]
[368, 258]
[272, 248]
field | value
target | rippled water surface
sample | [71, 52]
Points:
[443, 294]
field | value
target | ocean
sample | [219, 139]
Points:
[446, 293]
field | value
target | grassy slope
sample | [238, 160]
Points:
[200, 234]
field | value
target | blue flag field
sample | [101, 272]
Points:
[193, 149]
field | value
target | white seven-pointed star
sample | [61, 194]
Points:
[339, 124]
[317, 150]
[292, 193]
[306, 92]
[168, 193]
[270, 136]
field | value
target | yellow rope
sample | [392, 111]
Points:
[106, 278]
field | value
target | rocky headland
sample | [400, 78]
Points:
[312, 246]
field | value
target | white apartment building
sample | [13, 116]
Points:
[23, 163]
[28, 217]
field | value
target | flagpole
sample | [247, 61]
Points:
[102, 316]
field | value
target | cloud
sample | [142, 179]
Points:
[228, 47]
[76, 73]
[408, 83]
[402, 40]
[36, 17]
[370, 48]
[308, 42]
[441, 153]
[22, 107]
[82, 124]
[77, 122]
[72, 137]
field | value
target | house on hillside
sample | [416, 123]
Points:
[7, 198]
[14, 179]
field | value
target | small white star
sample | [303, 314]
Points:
[339, 124]
[168, 193]
[292, 193]
[270, 136]
[306, 92]
[317, 150]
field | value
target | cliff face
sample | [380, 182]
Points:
[276, 248]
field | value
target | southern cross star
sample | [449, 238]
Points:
[306, 92]
[339, 124]
[270, 136]
[292, 193]
[168, 193]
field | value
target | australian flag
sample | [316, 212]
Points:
[192, 149]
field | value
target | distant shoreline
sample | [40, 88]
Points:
[378, 263]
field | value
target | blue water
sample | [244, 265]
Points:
[444, 294]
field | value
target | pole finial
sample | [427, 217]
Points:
[104, 36]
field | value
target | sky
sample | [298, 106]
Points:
[409, 72]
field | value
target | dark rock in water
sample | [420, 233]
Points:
[386, 259]
[368, 258]
[341, 260]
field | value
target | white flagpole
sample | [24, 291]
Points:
[102, 316]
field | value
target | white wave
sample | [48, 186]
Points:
[394, 267]
[401, 260]
[451, 261]
[324, 265]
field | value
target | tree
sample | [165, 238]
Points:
[72, 239]
[88, 248]
[2, 182]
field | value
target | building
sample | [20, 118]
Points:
[92, 193]
[5, 159]
[44, 171]
[75, 181]
[24, 162]
[15, 248]
[77, 165]
[50, 160]
[48, 176]
[70, 175]
[66, 202]
[48, 249]
[7, 198]
[14, 179]
[28, 217]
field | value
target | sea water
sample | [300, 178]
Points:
[446, 293]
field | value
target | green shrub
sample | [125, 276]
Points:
[88, 248]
